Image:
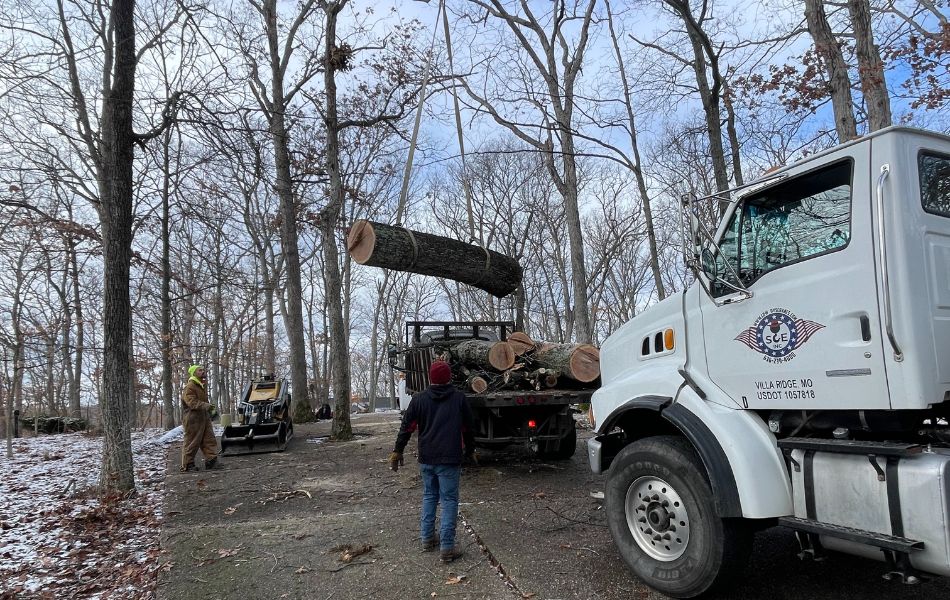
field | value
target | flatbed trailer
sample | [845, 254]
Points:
[541, 420]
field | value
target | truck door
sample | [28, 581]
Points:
[809, 337]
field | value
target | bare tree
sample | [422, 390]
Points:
[870, 66]
[836, 69]
[558, 62]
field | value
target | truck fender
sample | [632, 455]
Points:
[744, 466]
[753, 460]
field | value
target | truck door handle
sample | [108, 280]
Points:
[865, 328]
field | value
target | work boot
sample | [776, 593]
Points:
[430, 544]
[447, 555]
[190, 467]
[213, 464]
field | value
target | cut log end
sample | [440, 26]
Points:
[501, 356]
[477, 384]
[585, 363]
[520, 343]
[361, 241]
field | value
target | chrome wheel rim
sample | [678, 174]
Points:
[657, 518]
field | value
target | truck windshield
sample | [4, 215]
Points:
[802, 217]
[934, 170]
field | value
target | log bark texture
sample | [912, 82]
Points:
[580, 362]
[487, 355]
[393, 247]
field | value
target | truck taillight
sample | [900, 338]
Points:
[532, 424]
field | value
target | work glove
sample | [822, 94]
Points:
[395, 461]
[213, 412]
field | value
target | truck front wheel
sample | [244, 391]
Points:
[663, 519]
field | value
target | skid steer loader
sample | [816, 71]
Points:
[264, 423]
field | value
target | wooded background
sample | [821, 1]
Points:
[177, 176]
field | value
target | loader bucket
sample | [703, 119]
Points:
[251, 439]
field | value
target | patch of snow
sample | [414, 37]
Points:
[57, 539]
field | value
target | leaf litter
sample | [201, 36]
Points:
[61, 539]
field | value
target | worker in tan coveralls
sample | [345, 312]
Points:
[196, 416]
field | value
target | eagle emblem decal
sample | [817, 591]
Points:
[777, 333]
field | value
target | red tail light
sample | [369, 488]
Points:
[532, 424]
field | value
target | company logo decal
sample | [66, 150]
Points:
[777, 333]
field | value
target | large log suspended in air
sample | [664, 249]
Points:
[487, 355]
[580, 362]
[400, 249]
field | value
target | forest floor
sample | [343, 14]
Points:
[60, 539]
[329, 520]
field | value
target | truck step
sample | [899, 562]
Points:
[871, 538]
[850, 446]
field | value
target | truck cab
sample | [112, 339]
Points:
[803, 379]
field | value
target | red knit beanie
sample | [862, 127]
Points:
[440, 373]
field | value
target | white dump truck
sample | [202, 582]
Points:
[802, 380]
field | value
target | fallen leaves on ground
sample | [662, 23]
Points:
[455, 579]
[231, 509]
[226, 552]
[60, 539]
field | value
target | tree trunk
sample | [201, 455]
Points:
[270, 357]
[870, 67]
[486, 355]
[168, 408]
[580, 362]
[708, 94]
[115, 194]
[392, 247]
[733, 134]
[288, 221]
[75, 380]
[7, 393]
[342, 429]
[836, 69]
[636, 167]
[575, 236]
[382, 291]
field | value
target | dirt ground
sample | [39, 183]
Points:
[275, 526]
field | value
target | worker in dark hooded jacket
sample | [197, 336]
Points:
[196, 416]
[446, 436]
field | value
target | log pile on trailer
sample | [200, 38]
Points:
[519, 363]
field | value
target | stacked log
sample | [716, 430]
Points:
[580, 362]
[496, 355]
[520, 363]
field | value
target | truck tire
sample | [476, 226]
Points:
[663, 519]
[561, 449]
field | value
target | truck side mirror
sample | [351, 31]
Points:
[710, 267]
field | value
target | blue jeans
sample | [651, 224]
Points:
[440, 484]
